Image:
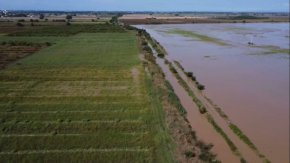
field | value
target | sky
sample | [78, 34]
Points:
[147, 5]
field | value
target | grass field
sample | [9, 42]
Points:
[86, 98]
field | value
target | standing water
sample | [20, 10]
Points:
[245, 68]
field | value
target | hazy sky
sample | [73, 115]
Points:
[147, 5]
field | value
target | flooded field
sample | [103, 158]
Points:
[249, 82]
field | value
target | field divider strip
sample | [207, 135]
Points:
[76, 151]
[53, 135]
[80, 122]
[75, 111]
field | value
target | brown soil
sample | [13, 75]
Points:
[9, 54]
[191, 20]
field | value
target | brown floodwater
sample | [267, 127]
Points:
[251, 87]
[203, 129]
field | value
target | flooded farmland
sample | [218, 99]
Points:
[245, 69]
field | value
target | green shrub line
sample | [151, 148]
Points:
[156, 45]
[232, 126]
[247, 141]
[202, 110]
[191, 76]
[242, 136]
[200, 105]
[173, 99]
[205, 154]
[223, 134]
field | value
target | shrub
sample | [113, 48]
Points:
[242, 160]
[147, 49]
[200, 86]
[172, 69]
[144, 43]
[166, 61]
[68, 17]
[189, 74]
[48, 44]
[193, 78]
[41, 16]
[189, 154]
[68, 23]
[20, 24]
[161, 55]
[202, 110]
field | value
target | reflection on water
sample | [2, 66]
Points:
[248, 82]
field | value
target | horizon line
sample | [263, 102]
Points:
[204, 11]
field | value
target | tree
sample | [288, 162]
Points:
[41, 16]
[68, 17]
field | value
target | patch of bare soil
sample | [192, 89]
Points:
[11, 53]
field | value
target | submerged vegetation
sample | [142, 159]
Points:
[198, 36]
[242, 136]
[174, 99]
[221, 132]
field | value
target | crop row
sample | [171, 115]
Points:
[72, 127]
[82, 155]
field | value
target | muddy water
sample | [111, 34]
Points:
[251, 87]
[203, 129]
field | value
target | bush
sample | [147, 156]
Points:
[20, 24]
[147, 49]
[189, 74]
[41, 16]
[166, 61]
[144, 43]
[200, 86]
[172, 69]
[202, 110]
[189, 154]
[193, 78]
[68, 17]
[48, 44]
[161, 55]
[242, 160]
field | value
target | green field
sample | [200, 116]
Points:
[86, 98]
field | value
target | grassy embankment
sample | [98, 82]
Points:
[188, 146]
[84, 98]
